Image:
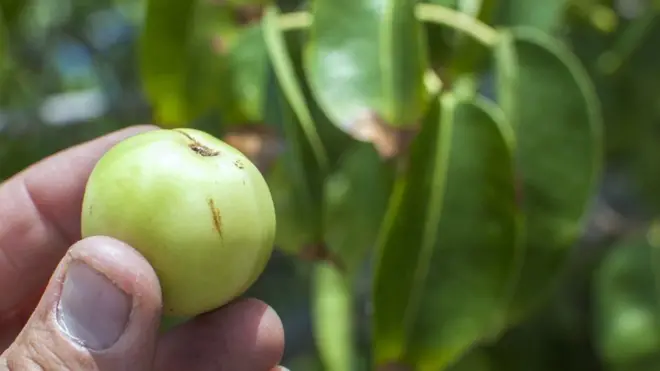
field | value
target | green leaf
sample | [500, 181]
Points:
[366, 58]
[238, 3]
[466, 51]
[296, 180]
[545, 15]
[626, 303]
[11, 11]
[476, 360]
[313, 144]
[449, 251]
[10, 14]
[246, 69]
[163, 60]
[506, 75]
[470, 55]
[180, 71]
[5, 57]
[204, 88]
[439, 42]
[297, 225]
[356, 200]
[285, 71]
[333, 318]
[558, 127]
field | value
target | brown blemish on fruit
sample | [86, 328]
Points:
[198, 147]
[217, 220]
[239, 164]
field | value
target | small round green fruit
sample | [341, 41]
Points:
[196, 208]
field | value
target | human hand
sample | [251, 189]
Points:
[95, 304]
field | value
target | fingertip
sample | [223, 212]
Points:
[108, 260]
[102, 305]
[270, 337]
[244, 335]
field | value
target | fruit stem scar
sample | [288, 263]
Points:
[198, 147]
[217, 220]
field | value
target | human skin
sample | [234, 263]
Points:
[40, 240]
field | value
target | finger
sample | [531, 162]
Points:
[246, 335]
[40, 217]
[100, 311]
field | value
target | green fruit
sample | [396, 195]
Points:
[196, 208]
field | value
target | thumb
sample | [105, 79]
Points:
[100, 311]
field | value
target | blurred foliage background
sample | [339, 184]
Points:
[70, 71]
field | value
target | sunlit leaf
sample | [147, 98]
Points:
[163, 60]
[296, 180]
[285, 71]
[366, 58]
[179, 65]
[312, 145]
[449, 251]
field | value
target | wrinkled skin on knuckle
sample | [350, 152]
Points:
[33, 351]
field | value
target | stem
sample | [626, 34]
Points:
[333, 321]
[624, 47]
[459, 21]
[294, 21]
[198, 147]
[432, 82]
[424, 12]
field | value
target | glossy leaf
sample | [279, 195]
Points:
[366, 57]
[458, 41]
[559, 133]
[356, 201]
[545, 15]
[449, 251]
[296, 180]
[214, 28]
[246, 68]
[470, 55]
[312, 144]
[163, 57]
[627, 305]
[179, 63]
[285, 71]
[304, 160]
[333, 318]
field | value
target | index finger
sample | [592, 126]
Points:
[40, 217]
